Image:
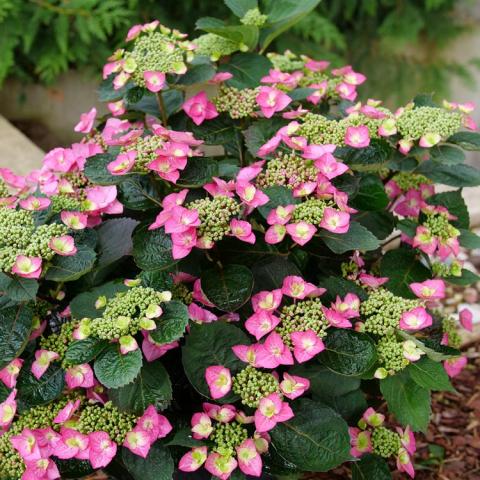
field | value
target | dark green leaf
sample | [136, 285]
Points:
[197, 74]
[151, 387]
[96, 170]
[455, 204]
[469, 239]
[376, 154]
[68, 269]
[84, 351]
[381, 224]
[260, 132]
[348, 352]
[211, 344]
[278, 195]
[15, 328]
[466, 140]
[402, 268]
[315, 440]
[447, 154]
[183, 438]
[228, 288]
[350, 406]
[247, 69]
[467, 278]
[198, 172]
[137, 192]
[357, 238]
[240, 34]
[152, 249]
[453, 175]
[424, 100]
[241, 7]
[157, 466]
[269, 273]
[172, 323]
[301, 93]
[341, 286]
[17, 289]
[371, 467]
[430, 375]
[114, 370]
[371, 194]
[408, 401]
[107, 93]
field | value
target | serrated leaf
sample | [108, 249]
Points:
[371, 194]
[260, 132]
[430, 375]
[96, 170]
[241, 7]
[455, 204]
[68, 269]
[371, 467]
[197, 74]
[151, 387]
[172, 323]
[316, 439]
[137, 192]
[157, 466]
[84, 351]
[469, 239]
[198, 172]
[17, 289]
[447, 154]
[408, 401]
[247, 70]
[114, 370]
[381, 223]
[466, 140]
[357, 238]
[453, 175]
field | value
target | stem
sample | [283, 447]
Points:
[161, 107]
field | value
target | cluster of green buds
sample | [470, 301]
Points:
[182, 293]
[311, 210]
[227, 436]
[287, 169]
[145, 147]
[20, 236]
[286, 61]
[415, 122]
[107, 418]
[4, 193]
[125, 314]
[254, 17]
[439, 226]
[252, 385]
[157, 49]
[59, 342]
[215, 46]
[408, 180]
[65, 202]
[236, 103]
[215, 215]
[383, 310]
[302, 316]
[385, 442]
[452, 269]
[391, 355]
[450, 329]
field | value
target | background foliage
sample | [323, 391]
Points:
[42, 38]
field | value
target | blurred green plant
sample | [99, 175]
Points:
[41, 39]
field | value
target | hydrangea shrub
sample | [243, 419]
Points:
[234, 269]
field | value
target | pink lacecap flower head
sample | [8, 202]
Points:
[154, 81]
[293, 386]
[199, 108]
[347, 91]
[320, 90]
[40, 469]
[183, 243]
[251, 195]
[360, 442]
[271, 100]
[335, 221]
[466, 319]
[102, 449]
[261, 323]
[249, 460]
[123, 163]
[138, 442]
[357, 137]
[219, 380]
[74, 220]
[156, 425]
[296, 287]
[9, 374]
[275, 234]
[329, 167]
[181, 219]
[247, 353]
[301, 232]
[72, 444]
[348, 307]
[201, 425]
[26, 445]
[336, 319]
[266, 300]
[79, 376]
[86, 122]
[273, 352]
[415, 319]
[63, 245]
[27, 267]
[42, 361]
[453, 366]
[242, 230]
[220, 413]
[35, 203]
[193, 460]
[220, 466]
[280, 215]
[306, 345]
[429, 289]
[271, 410]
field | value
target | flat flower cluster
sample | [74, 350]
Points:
[231, 266]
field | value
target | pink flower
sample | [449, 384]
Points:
[9, 374]
[66, 412]
[79, 376]
[429, 289]
[72, 444]
[242, 230]
[316, 65]
[249, 460]
[193, 459]
[138, 442]
[348, 307]
[156, 425]
[320, 92]
[335, 221]
[35, 203]
[86, 122]
[306, 345]
[271, 100]
[429, 140]
[41, 469]
[223, 414]
[201, 426]
[219, 381]
[183, 243]
[102, 449]
[404, 463]
[372, 418]
[220, 187]
[198, 108]
[415, 319]
[407, 439]
[64, 245]
[123, 163]
[453, 366]
[301, 232]
[273, 352]
[248, 353]
[103, 199]
[43, 358]
[26, 445]
[275, 234]
[280, 215]
[117, 108]
[250, 195]
[271, 410]
[268, 301]
[269, 147]
[372, 281]
[336, 319]
[360, 442]
[152, 351]
[220, 77]
[424, 240]
[466, 319]
[181, 219]
[298, 288]
[7, 410]
[27, 267]
[201, 315]
[261, 323]
[346, 91]
[357, 137]
[220, 466]
[154, 81]
[315, 152]
[127, 344]
[329, 167]
[74, 220]
[293, 386]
